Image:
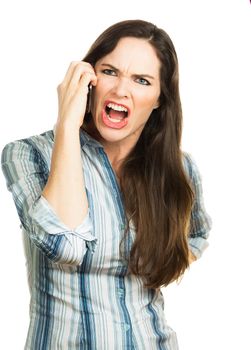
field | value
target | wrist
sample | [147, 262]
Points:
[66, 126]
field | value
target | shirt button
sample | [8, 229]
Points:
[127, 327]
[121, 292]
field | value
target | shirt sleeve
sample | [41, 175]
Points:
[200, 222]
[26, 174]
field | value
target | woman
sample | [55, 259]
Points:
[111, 208]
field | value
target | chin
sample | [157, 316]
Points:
[112, 135]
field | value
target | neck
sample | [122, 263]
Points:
[116, 151]
[116, 154]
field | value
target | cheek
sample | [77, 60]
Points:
[146, 101]
[101, 90]
[98, 93]
[104, 83]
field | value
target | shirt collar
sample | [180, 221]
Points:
[85, 139]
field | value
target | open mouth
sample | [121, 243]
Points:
[116, 113]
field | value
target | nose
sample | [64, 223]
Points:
[121, 87]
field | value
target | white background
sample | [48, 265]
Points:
[210, 309]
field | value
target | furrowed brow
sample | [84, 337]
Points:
[110, 66]
[135, 75]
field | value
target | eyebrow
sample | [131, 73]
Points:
[136, 75]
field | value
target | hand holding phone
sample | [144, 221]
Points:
[73, 93]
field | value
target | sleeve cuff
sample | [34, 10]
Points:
[44, 216]
[197, 246]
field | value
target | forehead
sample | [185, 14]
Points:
[134, 55]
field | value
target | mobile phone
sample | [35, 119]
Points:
[89, 96]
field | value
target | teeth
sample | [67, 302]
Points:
[114, 120]
[116, 107]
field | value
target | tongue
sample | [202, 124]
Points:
[117, 114]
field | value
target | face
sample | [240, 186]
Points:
[127, 90]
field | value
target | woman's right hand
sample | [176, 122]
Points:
[72, 93]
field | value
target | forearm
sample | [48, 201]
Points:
[65, 188]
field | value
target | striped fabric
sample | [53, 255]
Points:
[82, 296]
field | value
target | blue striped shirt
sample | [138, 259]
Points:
[82, 296]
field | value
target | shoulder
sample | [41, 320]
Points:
[190, 166]
[40, 144]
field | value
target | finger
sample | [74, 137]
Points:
[78, 72]
[85, 81]
[94, 79]
[71, 69]
[69, 72]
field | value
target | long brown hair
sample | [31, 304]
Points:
[157, 194]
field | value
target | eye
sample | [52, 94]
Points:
[109, 72]
[143, 81]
